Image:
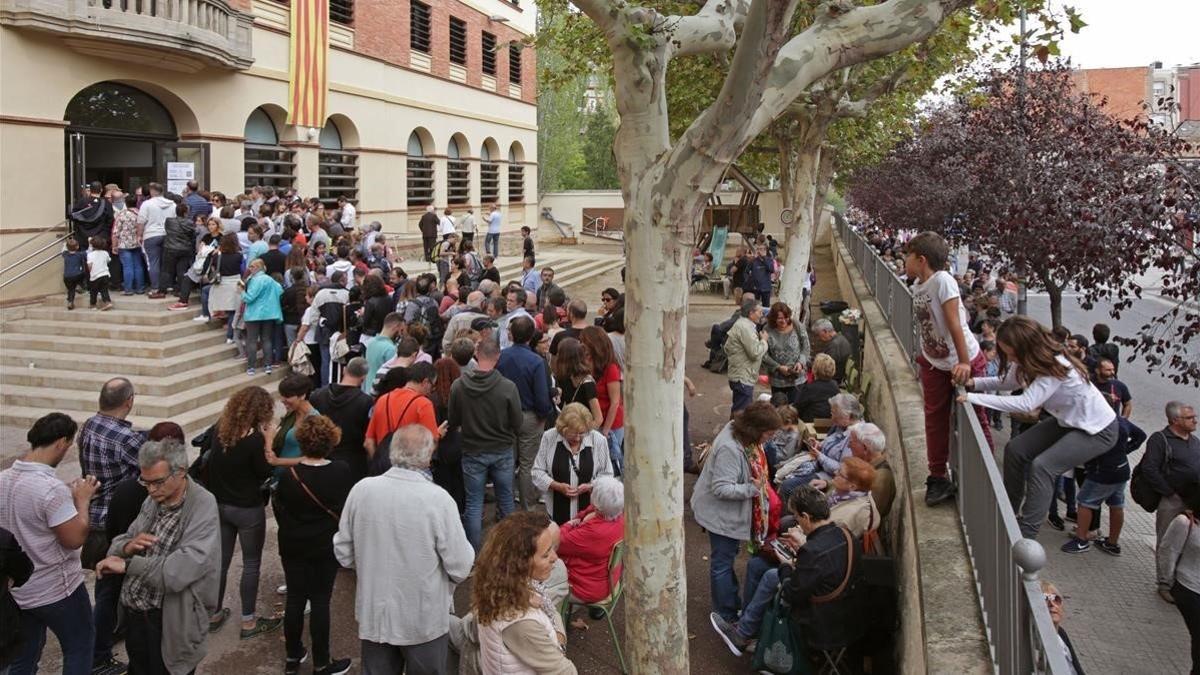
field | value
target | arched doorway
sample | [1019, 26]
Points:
[119, 134]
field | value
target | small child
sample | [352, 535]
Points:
[1105, 480]
[993, 370]
[797, 462]
[74, 270]
[98, 275]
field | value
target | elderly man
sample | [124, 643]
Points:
[514, 306]
[428, 225]
[171, 559]
[868, 443]
[1171, 466]
[745, 346]
[108, 450]
[403, 535]
[834, 344]
[463, 318]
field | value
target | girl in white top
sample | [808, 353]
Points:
[1082, 425]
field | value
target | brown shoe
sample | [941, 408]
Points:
[107, 306]
[156, 295]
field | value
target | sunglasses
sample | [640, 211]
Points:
[1053, 598]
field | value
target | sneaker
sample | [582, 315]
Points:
[261, 625]
[228, 341]
[199, 317]
[107, 306]
[335, 667]
[70, 305]
[178, 307]
[214, 625]
[156, 295]
[1108, 547]
[1165, 594]
[268, 369]
[282, 590]
[110, 667]
[1072, 516]
[250, 372]
[1056, 522]
[293, 665]
[127, 293]
[1076, 546]
[938, 490]
[728, 633]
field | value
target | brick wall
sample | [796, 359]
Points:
[381, 30]
[1125, 88]
[1188, 95]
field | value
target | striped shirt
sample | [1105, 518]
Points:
[108, 450]
[32, 502]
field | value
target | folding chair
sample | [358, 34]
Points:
[608, 604]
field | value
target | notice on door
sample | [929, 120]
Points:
[178, 175]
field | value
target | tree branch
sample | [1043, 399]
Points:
[713, 29]
[610, 16]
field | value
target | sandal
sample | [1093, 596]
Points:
[261, 625]
[214, 625]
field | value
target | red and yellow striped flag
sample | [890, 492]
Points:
[308, 85]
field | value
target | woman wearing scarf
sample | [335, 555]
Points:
[732, 499]
[850, 501]
[567, 463]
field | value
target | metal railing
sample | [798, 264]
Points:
[55, 244]
[1021, 635]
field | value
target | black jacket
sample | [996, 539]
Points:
[181, 235]
[15, 566]
[1071, 648]
[350, 409]
[428, 224]
[92, 215]
[820, 568]
[812, 399]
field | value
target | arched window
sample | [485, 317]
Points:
[489, 176]
[115, 107]
[516, 177]
[458, 175]
[420, 173]
[267, 162]
[337, 168]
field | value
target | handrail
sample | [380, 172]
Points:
[53, 244]
[34, 238]
[1020, 632]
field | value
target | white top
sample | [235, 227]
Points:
[310, 318]
[467, 223]
[98, 263]
[1072, 400]
[543, 464]
[936, 343]
[1179, 558]
[348, 214]
[342, 265]
[445, 225]
[494, 222]
[32, 502]
[404, 536]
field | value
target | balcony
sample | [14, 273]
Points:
[180, 35]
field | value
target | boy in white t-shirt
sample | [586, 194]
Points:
[97, 262]
[950, 354]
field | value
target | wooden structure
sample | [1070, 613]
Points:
[741, 218]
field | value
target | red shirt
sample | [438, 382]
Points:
[611, 374]
[401, 407]
[585, 550]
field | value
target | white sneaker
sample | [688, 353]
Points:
[282, 590]
[199, 317]
[228, 341]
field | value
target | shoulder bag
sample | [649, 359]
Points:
[1139, 487]
[313, 497]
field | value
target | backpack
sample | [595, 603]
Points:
[74, 264]
[332, 320]
[427, 315]
[474, 268]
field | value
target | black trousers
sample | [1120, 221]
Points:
[73, 283]
[143, 642]
[174, 267]
[429, 243]
[309, 579]
[447, 468]
[98, 287]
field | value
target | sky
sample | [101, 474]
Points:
[1134, 33]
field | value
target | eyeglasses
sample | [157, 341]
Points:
[152, 484]
[1187, 417]
[1052, 598]
[605, 298]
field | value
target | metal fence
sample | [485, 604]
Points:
[1006, 565]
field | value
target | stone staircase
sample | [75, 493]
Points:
[54, 359]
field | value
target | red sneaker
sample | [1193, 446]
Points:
[178, 307]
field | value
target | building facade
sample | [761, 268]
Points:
[428, 103]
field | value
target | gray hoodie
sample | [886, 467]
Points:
[156, 210]
[488, 408]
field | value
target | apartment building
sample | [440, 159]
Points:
[428, 102]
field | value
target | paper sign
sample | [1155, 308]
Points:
[178, 175]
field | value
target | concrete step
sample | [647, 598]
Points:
[185, 398]
[100, 329]
[118, 315]
[85, 347]
[203, 371]
[109, 365]
[127, 303]
[193, 421]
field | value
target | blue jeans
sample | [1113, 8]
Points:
[743, 395]
[204, 291]
[789, 484]
[477, 468]
[722, 578]
[131, 266]
[616, 449]
[71, 621]
[491, 244]
[154, 254]
[326, 363]
[756, 567]
[764, 593]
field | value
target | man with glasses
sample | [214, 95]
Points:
[170, 557]
[1171, 466]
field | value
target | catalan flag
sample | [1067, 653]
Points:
[308, 85]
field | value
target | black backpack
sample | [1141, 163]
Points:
[333, 319]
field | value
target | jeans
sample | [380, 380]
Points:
[1188, 604]
[764, 297]
[154, 254]
[722, 578]
[309, 578]
[491, 244]
[73, 283]
[1034, 460]
[616, 449]
[326, 364]
[477, 468]
[70, 619]
[255, 331]
[764, 593]
[131, 266]
[204, 291]
[529, 439]
[98, 287]
[427, 658]
[104, 616]
[939, 403]
[143, 641]
[756, 567]
[743, 395]
[249, 525]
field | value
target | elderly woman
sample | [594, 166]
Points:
[812, 398]
[850, 501]
[520, 631]
[868, 443]
[787, 353]
[731, 497]
[829, 453]
[572, 455]
[1054, 603]
[586, 542]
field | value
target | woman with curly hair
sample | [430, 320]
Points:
[308, 506]
[237, 469]
[520, 631]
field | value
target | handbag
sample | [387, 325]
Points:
[313, 497]
[1139, 486]
[778, 649]
[298, 359]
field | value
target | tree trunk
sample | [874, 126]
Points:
[800, 234]
[1056, 298]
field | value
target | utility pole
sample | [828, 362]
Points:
[1022, 300]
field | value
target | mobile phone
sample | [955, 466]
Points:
[783, 551]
